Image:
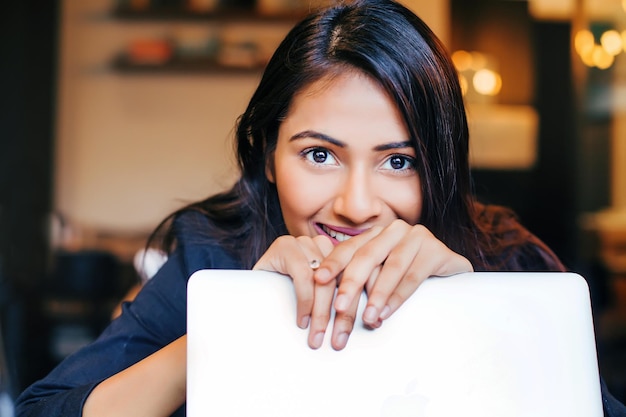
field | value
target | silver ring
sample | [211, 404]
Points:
[314, 264]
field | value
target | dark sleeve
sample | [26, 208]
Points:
[612, 407]
[156, 317]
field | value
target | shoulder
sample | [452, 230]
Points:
[197, 246]
[508, 246]
[196, 241]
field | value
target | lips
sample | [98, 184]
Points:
[339, 235]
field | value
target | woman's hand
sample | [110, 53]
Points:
[292, 256]
[389, 263]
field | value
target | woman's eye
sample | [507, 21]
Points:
[399, 163]
[320, 156]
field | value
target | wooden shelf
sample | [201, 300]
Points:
[242, 15]
[191, 64]
[180, 65]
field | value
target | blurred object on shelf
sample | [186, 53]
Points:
[238, 55]
[196, 41]
[202, 6]
[149, 51]
[289, 7]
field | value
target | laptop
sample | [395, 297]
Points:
[474, 344]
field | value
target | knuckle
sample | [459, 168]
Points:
[346, 319]
[394, 263]
[421, 230]
[320, 317]
[301, 239]
[399, 224]
[305, 301]
[414, 277]
[284, 241]
[324, 244]
[366, 254]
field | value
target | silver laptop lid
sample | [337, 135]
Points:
[476, 344]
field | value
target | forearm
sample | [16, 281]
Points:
[155, 386]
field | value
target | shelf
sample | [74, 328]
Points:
[181, 65]
[240, 15]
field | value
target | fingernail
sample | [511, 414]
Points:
[341, 303]
[384, 315]
[304, 322]
[322, 275]
[341, 341]
[318, 339]
[370, 314]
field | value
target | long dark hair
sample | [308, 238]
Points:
[388, 43]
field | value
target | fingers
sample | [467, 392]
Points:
[418, 256]
[292, 256]
[343, 325]
[342, 254]
[368, 252]
[320, 314]
[390, 263]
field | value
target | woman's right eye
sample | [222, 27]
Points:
[319, 156]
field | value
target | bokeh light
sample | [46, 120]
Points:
[487, 82]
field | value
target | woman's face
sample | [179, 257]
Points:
[343, 161]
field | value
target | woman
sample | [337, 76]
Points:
[354, 175]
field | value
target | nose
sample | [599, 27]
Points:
[357, 200]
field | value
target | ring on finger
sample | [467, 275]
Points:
[314, 264]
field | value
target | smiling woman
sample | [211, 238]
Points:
[353, 154]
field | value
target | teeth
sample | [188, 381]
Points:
[336, 235]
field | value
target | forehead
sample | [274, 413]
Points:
[349, 102]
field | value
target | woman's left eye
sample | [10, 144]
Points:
[399, 163]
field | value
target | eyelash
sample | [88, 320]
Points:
[409, 161]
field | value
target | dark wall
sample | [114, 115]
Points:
[28, 54]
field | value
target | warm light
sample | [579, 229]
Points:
[611, 41]
[462, 60]
[479, 61]
[624, 5]
[487, 82]
[587, 57]
[601, 58]
[478, 78]
[584, 42]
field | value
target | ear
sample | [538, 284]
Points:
[269, 168]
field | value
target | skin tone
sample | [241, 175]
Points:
[153, 387]
[350, 196]
[358, 213]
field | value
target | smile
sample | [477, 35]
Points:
[340, 237]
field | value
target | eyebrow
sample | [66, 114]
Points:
[338, 143]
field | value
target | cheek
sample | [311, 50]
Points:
[405, 200]
[300, 195]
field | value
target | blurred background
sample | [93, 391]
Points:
[114, 113]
